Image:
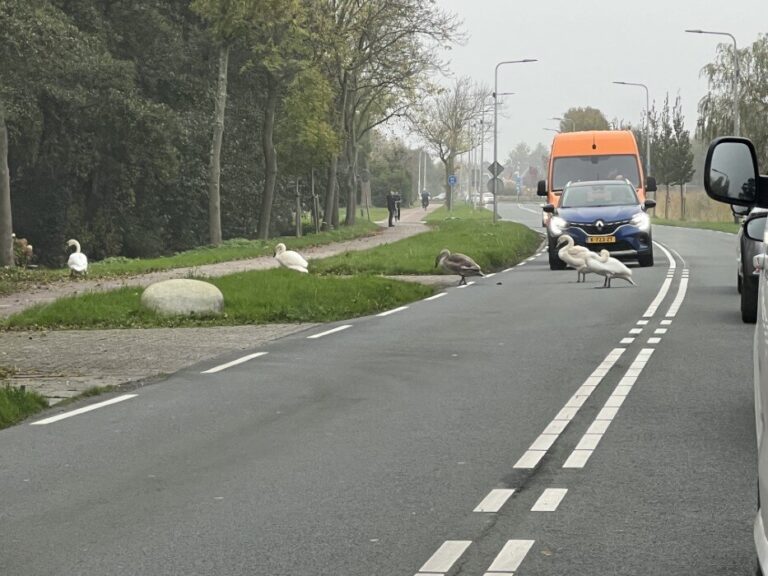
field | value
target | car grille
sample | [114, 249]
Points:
[591, 229]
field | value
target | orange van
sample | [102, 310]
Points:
[593, 155]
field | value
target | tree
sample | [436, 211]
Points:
[442, 121]
[586, 118]
[716, 107]
[660, 129]
[681, 154]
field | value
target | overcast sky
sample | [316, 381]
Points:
[583, 46]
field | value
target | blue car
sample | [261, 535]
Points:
[603, 214]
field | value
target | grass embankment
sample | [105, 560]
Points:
[472, 232]
[17, 279]
[341, 287]
[17, 404]
[720, 226]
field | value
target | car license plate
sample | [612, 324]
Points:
[601, 239]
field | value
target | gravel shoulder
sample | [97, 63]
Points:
[62, 364]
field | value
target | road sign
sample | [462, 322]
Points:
[452, 180]
[496, 168]
[499, 185]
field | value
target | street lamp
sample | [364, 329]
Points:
[496, 123]
[553, 130]
[736, 121]
[571, 120]
[647, 126]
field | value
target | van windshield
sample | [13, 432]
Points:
[588, 168]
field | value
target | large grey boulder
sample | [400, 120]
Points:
[183, 297]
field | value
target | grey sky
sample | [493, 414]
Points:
[583, 46]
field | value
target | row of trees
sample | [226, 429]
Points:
[152, 126]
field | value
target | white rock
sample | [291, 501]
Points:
[183, 296]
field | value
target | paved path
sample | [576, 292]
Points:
[63, 363]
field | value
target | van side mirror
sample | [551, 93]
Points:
[649, 204]
[730, 172]
[541, 188]
[650, 184]
[548, 208]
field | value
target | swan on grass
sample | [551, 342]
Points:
[290, 259]
[457, 263]
[609, 267]
[77, 262]
[574, 256]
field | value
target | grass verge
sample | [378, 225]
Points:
[256, 297]
[472, 232]
[17, 404]
[720, 226]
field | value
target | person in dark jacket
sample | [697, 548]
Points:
[393, 206]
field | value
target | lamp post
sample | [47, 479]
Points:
[496, 124]
[571, 120]
[736, 121]
[647, 126]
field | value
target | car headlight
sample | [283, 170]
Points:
[556, 225]
[642, 221]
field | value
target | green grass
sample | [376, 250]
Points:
[720, 226]
[472, 232]
[17, 404]
[14, 280]
[256, 297]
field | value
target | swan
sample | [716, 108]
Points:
[574, 256]
[610, 268]
[460, 264]
[78, 262]
[290, 259]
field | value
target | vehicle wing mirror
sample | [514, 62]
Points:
[730, 172]
[754, 227]
[549, 208]
[650, 184]
[541, 188]
[740, 210]
[649, 204]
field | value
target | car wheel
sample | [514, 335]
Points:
[554, 260]
[749, 300]
[738, 283]
[646, 259]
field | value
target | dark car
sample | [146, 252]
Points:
[747, 273]
[604, 214]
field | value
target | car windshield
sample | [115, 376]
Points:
[609, 194]
[586, 168]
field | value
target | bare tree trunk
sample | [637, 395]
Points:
[666, 202]
[214, 177]
[330, 193]
[365, 189]
[682, 201]
[298, 210]
[349, 219]
[270, 158]
[6, 221]
[448, 188]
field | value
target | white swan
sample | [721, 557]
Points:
[457, 263]
[290, 259]
[574, 256]
[610, 268]
[78, 262]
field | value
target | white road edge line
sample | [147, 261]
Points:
[393, 311]
[221, 367]
[665, 286]
[332, 331]
[83, 410]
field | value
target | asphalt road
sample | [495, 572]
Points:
[525, 424]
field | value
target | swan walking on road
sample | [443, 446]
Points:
[457, 263]
[77, 262]
[290, 259]
[610, 268]
[574, 256]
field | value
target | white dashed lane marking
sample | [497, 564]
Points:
[393, 311]
[510, 557]
[495, 500]
[332, 331]
[233, 363]
[435, 297]
[444, 558]
[83, 410]
[549, 500]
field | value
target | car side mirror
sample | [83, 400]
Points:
[754, 227]
[541, 188]
[730, 172]
[549, 208]
[740, 210]
[650, 184]
[649, 204]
